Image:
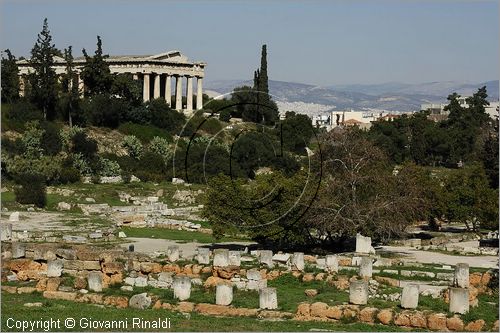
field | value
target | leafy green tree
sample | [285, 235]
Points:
[470, 199]
[126, 87]
[296, 131]
[43, 80]
[10, 78]
[95, 73]
[465, 125]
[490, 155]
[161, 115]
[266, 209]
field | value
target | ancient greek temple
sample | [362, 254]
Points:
[155, 72]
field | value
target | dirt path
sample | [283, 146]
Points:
[428, 257]
[149, 245]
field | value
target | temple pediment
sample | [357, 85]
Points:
[175, 56]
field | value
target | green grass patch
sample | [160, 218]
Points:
[487, 310]
[177, 235]
[145, 133]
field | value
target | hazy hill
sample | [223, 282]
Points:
[390, 96]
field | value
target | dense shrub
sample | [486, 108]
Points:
[145, 133]
[108, 168]
[12, 147]
[161, 147]
[50, 141]
[47, 166]
[105, 111]
[84, 145]
[17, 114]
[211, 126]
[152, 168]
[32, 140]
[32, 190]
[164, 117]
[69, 175]
[133, 146]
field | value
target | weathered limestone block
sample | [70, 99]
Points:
[173, 253]
[385, 316]
[358, 292]
[234, 258]
[332, 263]
[298, 261]
[182, 287]
[461, 278]
[365, 268]
[268, 298]
[203, 255]
[459, 300]
[140, 301]
[224, 294]
[221, 257]
[409, 297]
[363, 244]
[95, 281]
[266, 258]
[18, 250]
[54, 268]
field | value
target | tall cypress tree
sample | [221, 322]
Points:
[263, 80]
[10, 78]
[70, 89]
[43, 80]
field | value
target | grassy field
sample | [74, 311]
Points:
[12, 307]
[107, 193]
[177, 235]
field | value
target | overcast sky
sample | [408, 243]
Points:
[323, 42]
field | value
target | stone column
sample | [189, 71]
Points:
[298, 261]
[189, 93]
[409, 297]
[365, 268]
[358, 292]
[81, 86]
[168, 90]
[234, 258]
[461, 277]
[332, 263]
[268, 298]
[203, 255]
[178, 92]
[22, 86]
[221, 257]
[459, 300]
[199, 93]
[145, 88]
[266, 258]
[182, 287]
[224, 294]
[156, 87]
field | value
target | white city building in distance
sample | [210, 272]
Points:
[153, 71]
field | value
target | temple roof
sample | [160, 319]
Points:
[173, 56]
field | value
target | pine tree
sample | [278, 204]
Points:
[43, 80]
[10, 78]
[96, 74]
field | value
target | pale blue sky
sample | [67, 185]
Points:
[319, 42]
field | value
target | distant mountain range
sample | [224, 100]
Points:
[392, 96]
